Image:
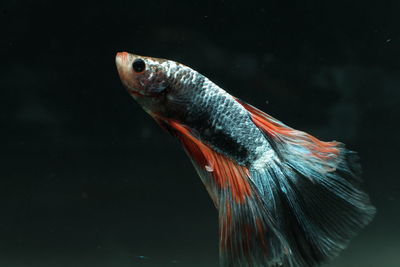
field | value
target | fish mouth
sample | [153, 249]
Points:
[122, 62]
[121, 58]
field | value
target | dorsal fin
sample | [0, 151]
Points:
[294, 145]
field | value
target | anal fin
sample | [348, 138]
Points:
[248, 233]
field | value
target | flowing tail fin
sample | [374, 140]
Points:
[319, 205]
[299, 209]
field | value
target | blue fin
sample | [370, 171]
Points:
[300, 208]
[312, 189]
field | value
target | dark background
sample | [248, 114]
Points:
[88, 179]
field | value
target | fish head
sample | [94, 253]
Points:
[160, 86]
[142, 76]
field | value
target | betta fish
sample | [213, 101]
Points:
[284, 197]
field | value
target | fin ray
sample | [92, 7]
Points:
[299, 209]
[247, 229]
[319, 203]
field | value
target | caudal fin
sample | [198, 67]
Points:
[300, 208]
[318, 204]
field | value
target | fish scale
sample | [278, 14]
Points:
[224, 124]
[284, 198]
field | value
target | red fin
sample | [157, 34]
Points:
[280, 132]
[248, 233]
[225, 172]
[281, 214]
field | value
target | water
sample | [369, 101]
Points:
[88, 179]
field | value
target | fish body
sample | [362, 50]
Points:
[284, 197]
[213, 115]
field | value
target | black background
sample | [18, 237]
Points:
[88, 179]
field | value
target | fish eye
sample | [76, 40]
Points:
[138, 65]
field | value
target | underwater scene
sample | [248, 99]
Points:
[199, 133]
